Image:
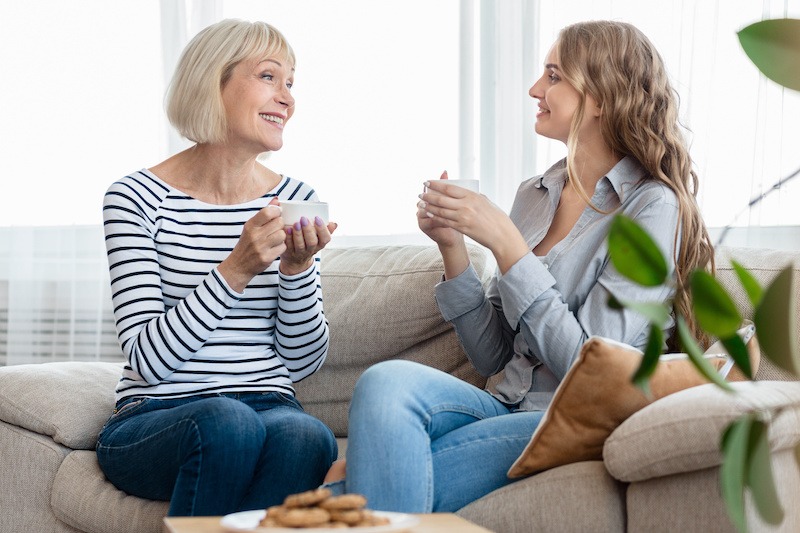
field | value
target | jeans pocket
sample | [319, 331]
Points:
[129, 409]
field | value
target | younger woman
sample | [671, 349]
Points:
[421, 440]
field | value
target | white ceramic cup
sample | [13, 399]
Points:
[472, 185]
[293, 210]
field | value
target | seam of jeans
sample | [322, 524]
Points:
[493, 439]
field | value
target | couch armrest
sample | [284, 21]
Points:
[68, 401]
[682, 432]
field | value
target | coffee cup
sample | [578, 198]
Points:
[293, 210]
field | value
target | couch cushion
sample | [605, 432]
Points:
[380, 305]
[576, 497]
[69, 401]
[681, 433]
[597, 395]
[84, 499]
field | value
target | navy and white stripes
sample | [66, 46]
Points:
[183, 330]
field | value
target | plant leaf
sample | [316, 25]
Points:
[776, 323]
[737, 349]
[695, 354]
[713, 307]
[774, 47]
[751, 286]
[732, 471]
[634, 253]
[759, 475]
[797, 454]
[655, 342]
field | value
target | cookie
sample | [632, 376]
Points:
[303, 517]
[344, 502]
[350, 517]
[308, 498]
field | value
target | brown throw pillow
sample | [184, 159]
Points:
[597, 395]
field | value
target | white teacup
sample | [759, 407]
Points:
[472, 185]
[293, 210]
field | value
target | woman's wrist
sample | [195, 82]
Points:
[289, 268]
[235, 280]
[455, 258]
[507, 253]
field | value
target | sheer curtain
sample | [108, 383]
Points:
[386, 97]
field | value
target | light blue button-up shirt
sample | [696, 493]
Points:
[532, 321]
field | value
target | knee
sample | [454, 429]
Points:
[386, 388]
[229, 424]
[308, 437]
[386, 379]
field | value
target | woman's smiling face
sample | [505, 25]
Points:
[558, 101]
[258, 103]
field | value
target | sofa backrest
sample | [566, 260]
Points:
[764, 265]
[379, 302]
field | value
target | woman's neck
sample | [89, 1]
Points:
[591, 163]
[216, 175]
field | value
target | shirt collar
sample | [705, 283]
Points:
[625, 175]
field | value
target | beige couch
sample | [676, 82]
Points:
[659, 471]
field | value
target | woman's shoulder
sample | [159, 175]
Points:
[636, 186]
[141, 188]
[290, 188]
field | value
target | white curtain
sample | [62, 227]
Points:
[55, 302]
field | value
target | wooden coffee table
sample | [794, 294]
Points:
[429, 523]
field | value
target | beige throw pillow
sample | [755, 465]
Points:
[597, 395]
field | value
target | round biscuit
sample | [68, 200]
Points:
[344, 502]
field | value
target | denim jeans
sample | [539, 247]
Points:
[421, 440]
[215, 455]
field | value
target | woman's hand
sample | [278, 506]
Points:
[473, 215]
[303, 241]
[262, 241]
[444, 236]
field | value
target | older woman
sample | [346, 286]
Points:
[218, 305]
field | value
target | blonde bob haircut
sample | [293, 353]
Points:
[194, 99]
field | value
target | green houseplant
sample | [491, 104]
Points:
[774, 47]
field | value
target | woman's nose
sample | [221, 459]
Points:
[535, 90]
[285, 97]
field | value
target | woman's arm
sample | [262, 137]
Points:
[301, 330]
[155, 341]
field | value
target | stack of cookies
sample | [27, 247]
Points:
[317, 508]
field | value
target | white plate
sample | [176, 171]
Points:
[249, 520]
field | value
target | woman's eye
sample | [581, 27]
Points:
[553, 78]
[289, 84]
[267, 76]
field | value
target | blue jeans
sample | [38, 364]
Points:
[215, 455]
[421, 440]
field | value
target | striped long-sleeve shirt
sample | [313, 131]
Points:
[183, 330]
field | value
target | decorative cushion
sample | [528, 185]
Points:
[597, 395]
[379, 301]
[681, 433]
[69, 401]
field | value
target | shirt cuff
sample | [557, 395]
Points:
[230, 296]
[521, 285]
[459, 295]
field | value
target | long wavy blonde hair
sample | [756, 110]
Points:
[619, 67]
